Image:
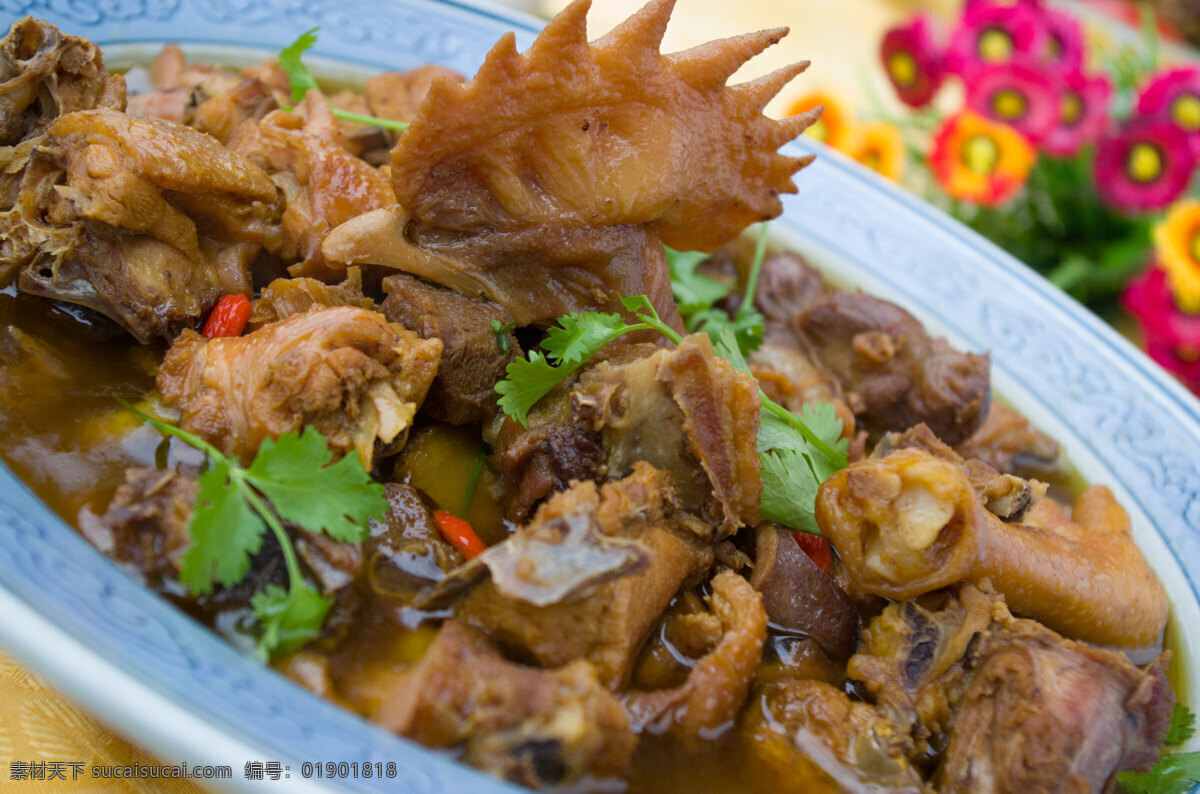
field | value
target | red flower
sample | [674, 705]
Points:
[1175, 94]
[1064, 40]
[1172, 335]
[1144, 165]
[912, 61]
[1017, 94]
[1083, 113]
[995, 33]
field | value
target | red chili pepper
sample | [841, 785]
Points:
[817, 549]
[459, 533]
[228, 317]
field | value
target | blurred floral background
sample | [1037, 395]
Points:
[1066, 131]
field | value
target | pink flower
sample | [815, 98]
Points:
[1144, 165]
[1175, 95]
[1172, 335]
[1083, 113]
[912, 61]
[995, 33]
[1016, 93]
[1064, 39]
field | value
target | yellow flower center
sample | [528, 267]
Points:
[1185, 110]
[1009, 104]
[903, 68]
[1055, 47]
[1145, 163]
[871, 159]
[1072, 108]
[1188, 352]
[1194, 247]
[980, 154]
[819, 130]
[994, 44]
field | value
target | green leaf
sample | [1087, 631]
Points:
[289, 618]
[225, 531]
[643, 309]
[577, 337]
[299, 78]
[693, 291]
[789, 492]
[1176, 773]
[527, 380]
[1183, 725]
[501, 332]
[338, 500]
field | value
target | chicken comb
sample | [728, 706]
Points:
[612, 132]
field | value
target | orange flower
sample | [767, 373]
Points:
[835, 121]
[1177, 243]
[979, 160]
[879, 147]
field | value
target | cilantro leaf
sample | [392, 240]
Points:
[501, 332]
[339, 500]
[301, 82]
[527, 380]
[693, 291]
[225, 531]
[789, 490]
[289, 618]
[578, 336]
[1183, 725]
[300, 79]
[1176, 773]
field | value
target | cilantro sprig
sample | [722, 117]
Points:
[797, 451]
[697, 295]
[1175, 773]
[302, 81]
[231, 516]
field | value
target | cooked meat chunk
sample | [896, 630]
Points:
[909, 523]
[346, 371]
[686, 411]
[284, 297]
[145, 528]
[549, 182]
[791, 379]
[787, 285]
[45, 74]
[1010, 445]
[809, 736]
[716, 687]
[1024, 709]
[591, 575]
[895, 375]
[472, 359]
[397, 95]
[220, 115]
[539, 728]
[405, 553]
[800, 597]
[145, 221]
[322, 182]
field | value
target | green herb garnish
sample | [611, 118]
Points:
[1175, 773]
[302, 81]
[501, 332]
[797, 451]
[232, 515]
[472, 481]
[1183, 725]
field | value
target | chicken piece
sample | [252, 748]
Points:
[809, 736]
[145, 528]
[689, 412]
[787, 285]
[800, 597]
[539, 728]
[142, 220]
[284, 297]
[180, 87]
[406, 553]
[345, 371]
[45, 74]
[717, 685]
[472, 359]
[894, 374]
[397, 95]
[220, 115]
[591, 575]
[549, 182]
[323, 183]
[1022, 708]
[909, 523]
[791, 379]
[1010, 445]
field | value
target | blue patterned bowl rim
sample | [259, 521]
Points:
[168, 683]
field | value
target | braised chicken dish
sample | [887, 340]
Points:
[478, 407]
